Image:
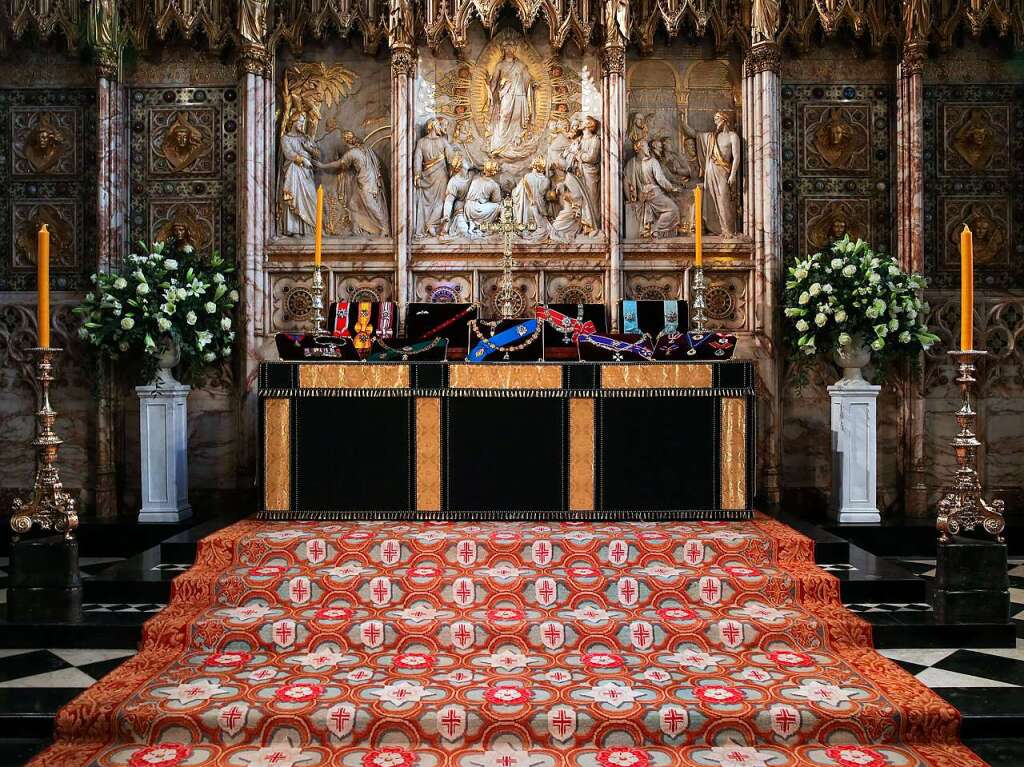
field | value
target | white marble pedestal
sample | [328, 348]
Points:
[854, 442]
[163, 422]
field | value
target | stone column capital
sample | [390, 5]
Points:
[763, 57]
[403, 60]
[613, 60]
[912, 61]
[253, 59]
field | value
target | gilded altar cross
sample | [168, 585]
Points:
[507, 300]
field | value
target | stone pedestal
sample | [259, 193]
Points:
[163, 422]
[45, 585]
[854, 437]
[971, 582]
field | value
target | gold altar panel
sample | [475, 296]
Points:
[734, 451]
[353, 376]
[505, 376]
[581, 454]
[277, 466]
[687, 376]
[428, 454]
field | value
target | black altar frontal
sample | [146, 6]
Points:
[439, 440]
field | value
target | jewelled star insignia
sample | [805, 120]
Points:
[401, 692]
[614, 695]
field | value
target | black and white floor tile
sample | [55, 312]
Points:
[172, 567]
[888, 607]
[55, 668]
[122, 607]
[837, 567]
[959, 668]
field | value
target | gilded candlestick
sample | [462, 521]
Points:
[698, 301]
[317, 290]
[50, 506]
[963, 508]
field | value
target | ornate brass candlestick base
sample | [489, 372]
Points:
[507, 300]
[963, 508]
[50, 507]
[317, 290]
[699, 316]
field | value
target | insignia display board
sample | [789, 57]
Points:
[437, 440]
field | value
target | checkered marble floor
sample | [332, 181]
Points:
[73, 670]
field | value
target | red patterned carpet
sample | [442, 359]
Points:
[507, 645]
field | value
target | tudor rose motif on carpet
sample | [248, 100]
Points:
[315, 644]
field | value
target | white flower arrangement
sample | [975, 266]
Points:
[855, 296]
[161, 295]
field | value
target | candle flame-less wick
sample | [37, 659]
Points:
[44, 228]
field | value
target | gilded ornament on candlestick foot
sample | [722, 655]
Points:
[963, 508]
[50, 508]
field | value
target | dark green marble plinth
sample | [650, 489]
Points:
[971, 582]
[44, 581]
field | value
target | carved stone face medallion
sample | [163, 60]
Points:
[989, 227]
[28, 219]
[836, 140]
[45, 145]
[182, 143]
[831, 221]
[974, 140]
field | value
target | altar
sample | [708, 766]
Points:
[440, 440]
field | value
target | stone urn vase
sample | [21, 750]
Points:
[168, 359]
[852, 359]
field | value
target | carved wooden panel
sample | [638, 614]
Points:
[183, 160]
[974, 169]
[47, 175]
[837, 165]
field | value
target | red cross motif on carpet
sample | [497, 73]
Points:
[378, 644]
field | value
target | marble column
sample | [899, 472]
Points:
[613, 96]
[403, 137]
[111, 245]
[910, 229]
[763, 220]
[255, 208]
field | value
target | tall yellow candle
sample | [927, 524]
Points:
[43, 284]
[318, 246]
[698, 225]
[966, 289]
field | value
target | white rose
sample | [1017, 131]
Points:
[209, 356]
[127, 323]
[815, 288]
[163, 323]
[837, 263]
[841, 315]
[182, 294]
[203, 337]
[805, 297]
[845, 339]
[142, 289]
[170, 263]
[802, 326]
[225, 323]
[120, 283]
[826, 289]
[233, 295]
[820, 319]
[905, 337]
[894, 271]
[911, 314]
[800, 274]
[191, 318]
[878, 344]
[218, 278]
[211, 308]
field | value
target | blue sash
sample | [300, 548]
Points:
[485, 348]
[630, 318]
[641, 348]
[697, 340]
[670, 313]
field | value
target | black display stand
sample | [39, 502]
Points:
[971, 582]
[44, 585]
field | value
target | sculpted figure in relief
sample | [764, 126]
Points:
[182, 143]
[361, 186]
[44, 145]
[483, 200]
[585, 163]
[569, 206]
[529, 198]
[511, 103]
[764, 20]
[719, 151]
[430, 177]
[974, 140]
[455, 221]
[297, 189]
[647, 192]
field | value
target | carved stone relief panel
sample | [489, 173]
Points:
[183, 159]
[447, 288]
[574, 288]
[368, 286]
[183, 141]
[837, 172]
[334, 130]
[726, 298]
[527, 283]
[512, 119]
[291, 301]
[45, 143]
[62, 218]
[47, 175]
[683, 118]
[653, 286]
[974, 169]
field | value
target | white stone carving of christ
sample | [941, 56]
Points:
[512, 96]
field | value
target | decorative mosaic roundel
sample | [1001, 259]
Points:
[575, 294]
[298, 303]
[446, 294]
[365, 294]
[720, 303]
[651, 293]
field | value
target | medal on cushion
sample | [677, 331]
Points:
[363, 328]
[503, 341]
[641, 348]
[697, 340]
[721, 343]
[569, 328]
[340, 319]
[386, 319]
